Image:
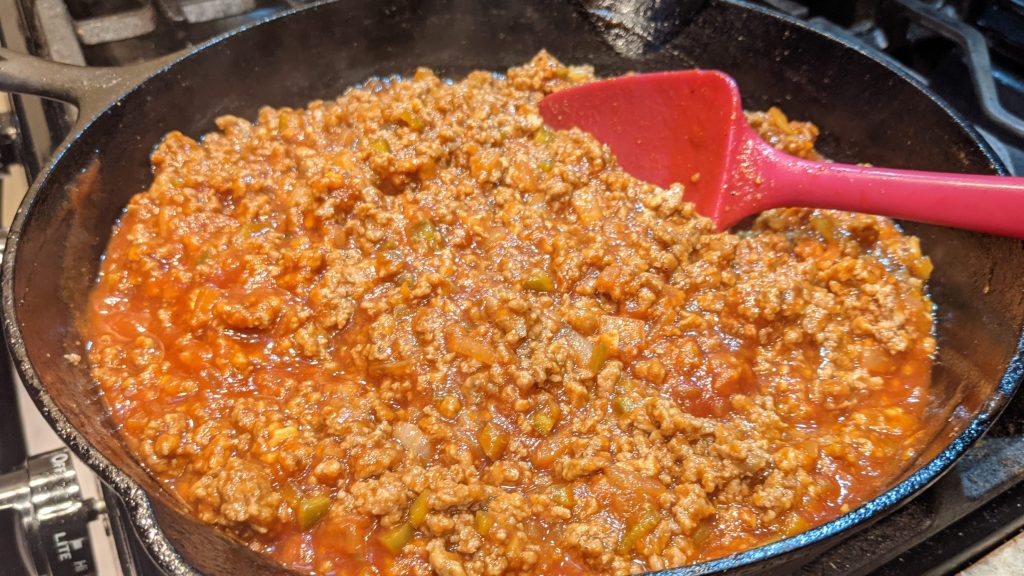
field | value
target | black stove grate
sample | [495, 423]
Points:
[971, 52]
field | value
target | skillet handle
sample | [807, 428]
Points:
[89, 89]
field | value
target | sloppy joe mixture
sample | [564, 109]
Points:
[415, 331]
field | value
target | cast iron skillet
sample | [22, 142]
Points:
[867, 110]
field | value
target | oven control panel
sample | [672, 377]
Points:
[52, 515]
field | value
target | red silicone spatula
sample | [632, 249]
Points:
[689, 127]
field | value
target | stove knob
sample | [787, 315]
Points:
[53, 516]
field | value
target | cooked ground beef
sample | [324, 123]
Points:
[414, 331]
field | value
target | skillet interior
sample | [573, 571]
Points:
[866, 111]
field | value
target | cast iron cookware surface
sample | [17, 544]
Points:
[867, 113]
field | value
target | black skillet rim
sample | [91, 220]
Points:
[168, 558]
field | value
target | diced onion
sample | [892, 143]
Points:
[413, 439]
[580, 345]
[629, 481]
[464, 345]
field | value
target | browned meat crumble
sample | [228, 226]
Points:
[414, 331]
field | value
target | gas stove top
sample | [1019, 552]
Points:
[971, 52]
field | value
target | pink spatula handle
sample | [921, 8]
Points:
[992, 204]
